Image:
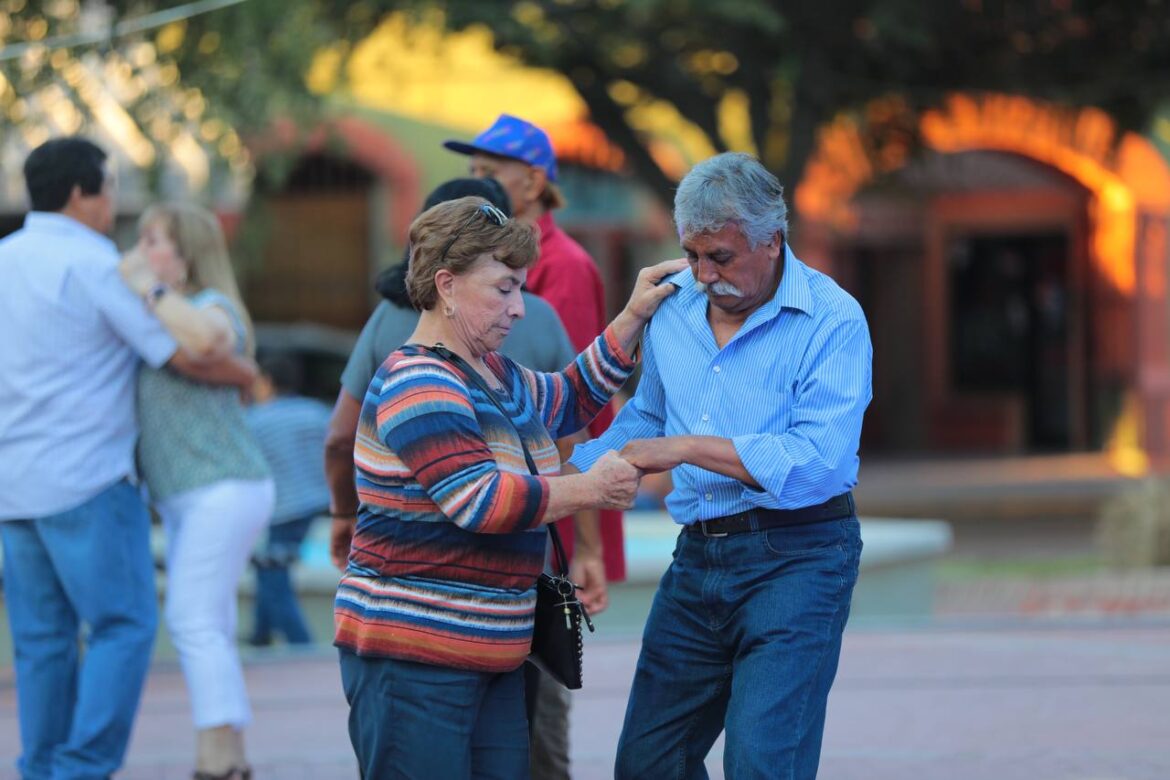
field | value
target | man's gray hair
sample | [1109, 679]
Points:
[731, 188]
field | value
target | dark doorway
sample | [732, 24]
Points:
[883, 280]
[314, 234]
[1009, 302]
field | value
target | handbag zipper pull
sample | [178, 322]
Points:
[585, 614]
[568, 622]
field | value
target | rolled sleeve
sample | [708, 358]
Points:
[816, 458]
[128, 316]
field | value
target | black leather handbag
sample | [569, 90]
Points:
[557, 646]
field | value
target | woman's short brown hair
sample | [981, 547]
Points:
[452, 236]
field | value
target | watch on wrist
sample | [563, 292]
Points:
[156, 292]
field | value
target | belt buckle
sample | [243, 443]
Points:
[709, 535]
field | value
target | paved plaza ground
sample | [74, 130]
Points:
[1018, 656]
[1035, 701]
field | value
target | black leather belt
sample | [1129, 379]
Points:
[760, 519]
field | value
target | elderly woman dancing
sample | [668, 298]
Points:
[434, 613]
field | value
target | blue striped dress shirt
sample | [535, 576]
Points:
[789, 389]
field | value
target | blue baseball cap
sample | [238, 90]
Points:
[512, 137]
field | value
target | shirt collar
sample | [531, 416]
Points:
[55, 222]
[793, 292]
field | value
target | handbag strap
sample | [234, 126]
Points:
[477, 380]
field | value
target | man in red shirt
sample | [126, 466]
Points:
[519, 155]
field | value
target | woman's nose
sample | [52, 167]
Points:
[516, 309]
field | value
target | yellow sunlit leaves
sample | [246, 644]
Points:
[168, 74]
[325, 71]
[171, 37]
[230, 145]
[624, 92]
[61, 9]
[211, 130]
[74, 73]
[209, 42]
[532, 16]
[529, 14]
[735, 124]
[720, 63]
[629, 55]
[1162, 129]
[1124, 445]
[195, 105]
[36, 29]
[142, 54]
[416, 70]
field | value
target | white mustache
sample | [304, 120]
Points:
[719, 288]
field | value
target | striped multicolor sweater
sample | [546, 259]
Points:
[448, 543]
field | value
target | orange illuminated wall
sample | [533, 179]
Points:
[1128, 182]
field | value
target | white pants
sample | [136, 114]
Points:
[210, 533]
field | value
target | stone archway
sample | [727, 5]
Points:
[1128, 183]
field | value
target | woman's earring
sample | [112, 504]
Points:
[449, 310]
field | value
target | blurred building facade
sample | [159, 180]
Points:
[1014, 275]
[339, 211]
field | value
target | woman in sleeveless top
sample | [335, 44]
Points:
[206, 477]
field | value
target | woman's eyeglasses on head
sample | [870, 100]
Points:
[490, 213]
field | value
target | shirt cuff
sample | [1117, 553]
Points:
[159, 350]
[769, 466]
[585, 455]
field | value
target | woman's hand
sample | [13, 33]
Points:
[615, 482]
[648, 292]
[136, 271]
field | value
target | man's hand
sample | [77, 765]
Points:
[235, 370]
[654, 455]
[340, 538]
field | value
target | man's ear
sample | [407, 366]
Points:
[537, 182]
[777, 245]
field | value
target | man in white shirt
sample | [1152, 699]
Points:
[74, 528]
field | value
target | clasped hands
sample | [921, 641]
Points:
[619, 473]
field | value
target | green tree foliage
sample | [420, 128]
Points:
[215, 68]
[800, 64]
[794, 65]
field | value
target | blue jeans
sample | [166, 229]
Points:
[277, 608]
[88, 566]
[744, 635]
[418, 722]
